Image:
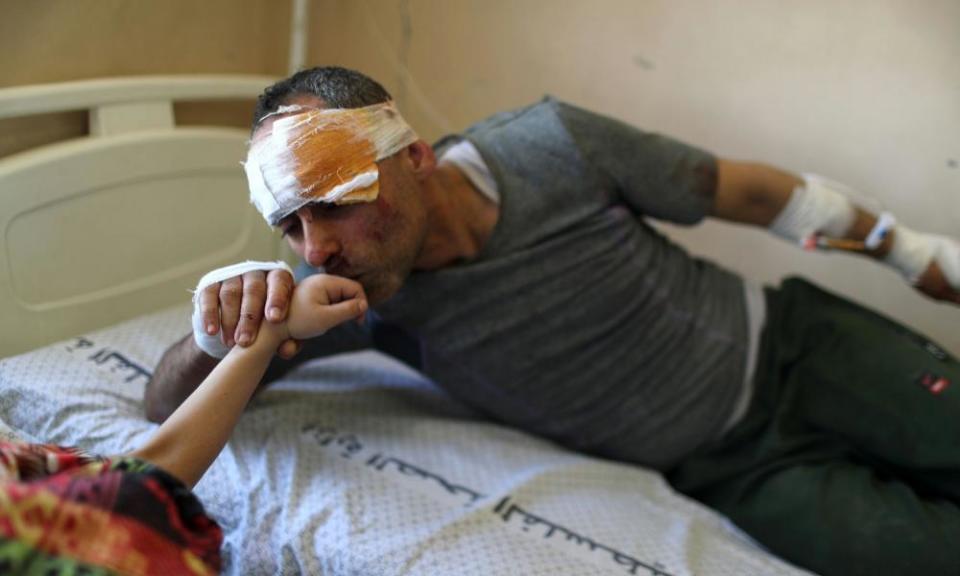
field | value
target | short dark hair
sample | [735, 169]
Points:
[337, 87]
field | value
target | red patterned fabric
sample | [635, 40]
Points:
[64, 511]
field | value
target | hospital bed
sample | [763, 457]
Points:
[349, 465]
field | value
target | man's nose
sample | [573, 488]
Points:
[319, 244]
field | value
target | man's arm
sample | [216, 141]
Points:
[234, 308]
[181, 369]
[751, 193]
[192, 437]
[184, 365]
[659, 177]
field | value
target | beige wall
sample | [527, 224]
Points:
[56, 40]
[864, 91]
[53, 40]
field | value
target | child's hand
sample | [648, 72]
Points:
[321, 302]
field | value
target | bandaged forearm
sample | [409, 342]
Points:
[818, 206]
[213, 344]
[821, 208]
[912, 253]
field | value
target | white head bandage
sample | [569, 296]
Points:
[211, 343]
[819, 206]
[314, 155]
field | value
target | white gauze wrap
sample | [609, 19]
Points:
[912, 252]
[212, 344]
[818, 206]
[322, 155]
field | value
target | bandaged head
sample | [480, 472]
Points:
[316, 155]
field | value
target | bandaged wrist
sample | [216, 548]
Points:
[817, 206]
[912, 252]
[212, 344]
[885, 223]
[947, 256]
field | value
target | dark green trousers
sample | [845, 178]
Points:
[848, 460]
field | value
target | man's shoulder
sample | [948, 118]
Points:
[550, 118]
[545, 110]
[538, 141]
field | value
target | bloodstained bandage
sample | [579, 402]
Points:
[314, 155]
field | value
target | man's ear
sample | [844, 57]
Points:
[422, 159]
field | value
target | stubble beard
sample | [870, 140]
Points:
[380, 285]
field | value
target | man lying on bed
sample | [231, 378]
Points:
[517, 260]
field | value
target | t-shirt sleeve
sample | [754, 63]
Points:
[655, 175]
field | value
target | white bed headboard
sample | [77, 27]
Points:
[124, 221]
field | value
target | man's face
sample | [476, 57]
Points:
[375, 243]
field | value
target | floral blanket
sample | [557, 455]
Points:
[63, 511]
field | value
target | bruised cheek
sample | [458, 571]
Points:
[372, 231]
[384, 216]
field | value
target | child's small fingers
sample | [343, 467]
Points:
[346, 310]
[342, 289]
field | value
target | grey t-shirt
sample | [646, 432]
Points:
[578, 321]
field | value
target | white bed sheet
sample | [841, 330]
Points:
[358, 466]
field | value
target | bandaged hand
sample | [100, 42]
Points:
[818, 206]
[928, 261]
[320, 301]
[820, 214]
[230, 304]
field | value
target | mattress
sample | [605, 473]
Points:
[358, 465]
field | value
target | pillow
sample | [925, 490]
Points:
[358, 465]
